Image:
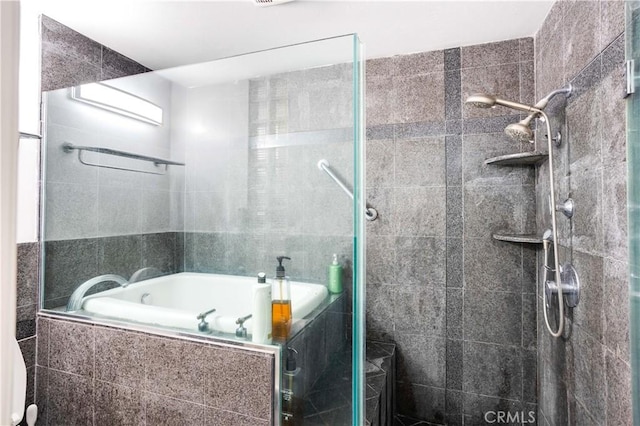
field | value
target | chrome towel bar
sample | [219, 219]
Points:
[68, 148]
[370, 213]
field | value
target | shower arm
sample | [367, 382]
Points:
[554, 230]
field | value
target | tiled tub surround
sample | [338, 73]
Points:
[97, 375]
[459, 305]
[585, 378]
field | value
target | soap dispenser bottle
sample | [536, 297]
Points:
[280, 303]
[335, 276]
[292, 391]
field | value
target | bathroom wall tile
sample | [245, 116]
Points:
[612, 21]
[502, 80]
[529, 269]
[452, 101]
[186, 380]
[476, 149]
[42, 347]
[614, 197]
[454, 313]
[69, 399]
[586, 190]
[527, 83]
[589, 77]
[475, 407]
[452, 59]
[155, 211]
[455, 263]
[158, 251]
[529, 325]
[380, 312]
[221, 417]
[529, 376]
[120, 255]
[454, 369]
[423, 402]
[381, 199]
[613, 60]
[489, 54]
[619, 393]
[116, 404]
[27, 274]
[116, 65]
[120, 357]
[71, 347]
[419, 310]
[315, 355]
[583, 117]
[421, 359]
[613, 119]
[453, 152]
[492, 370]
[453, 127]
[493, 209]
[419, 98]
[548, 30]
[68, 264]
[380, 95]
[250, 393]
[581, 25]
[411, 156]
[419, 129]
[487, 125]
[549, 47]
[589, 373]
[492, 265]
[28, 350]
[171, 412]
[71, 211]
[381, 132]
[526, 47]
[494, 317]
[60, 38]
[60, 70]
[418, 63]
[420, 261]
[420, 211]
[616, 308]
[336, 218]
[380, 163]
[25, 321]
[591, 317]
[319, 252]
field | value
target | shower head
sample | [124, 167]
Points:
[483, 100]
[520, 132]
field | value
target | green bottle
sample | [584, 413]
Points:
[335, 276]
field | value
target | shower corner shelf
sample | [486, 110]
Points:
[518, 238]
[518, 159]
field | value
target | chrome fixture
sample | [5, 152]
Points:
[370, 213]
[519, 133]
[203, 325]
[75, 301]
[567, 208]
[69, 147]
[241, 331]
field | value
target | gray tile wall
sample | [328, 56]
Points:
[585, 378]
[459, 305]
[96, 375]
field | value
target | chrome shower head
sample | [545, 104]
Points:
[483, 100]
[520, 132]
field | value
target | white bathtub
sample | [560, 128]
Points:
[176, 300]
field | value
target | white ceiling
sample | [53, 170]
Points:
[162, 34]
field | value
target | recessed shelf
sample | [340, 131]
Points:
[518, 159]
[519, 238]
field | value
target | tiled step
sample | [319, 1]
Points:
[381, 383]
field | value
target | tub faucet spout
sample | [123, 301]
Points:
[75, 301]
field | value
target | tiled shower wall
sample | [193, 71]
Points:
[459, 305]
[585, 377]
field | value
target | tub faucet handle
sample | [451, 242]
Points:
[241, 331]
[203, 325]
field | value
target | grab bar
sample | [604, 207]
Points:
[370, 213]
[69, 147]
